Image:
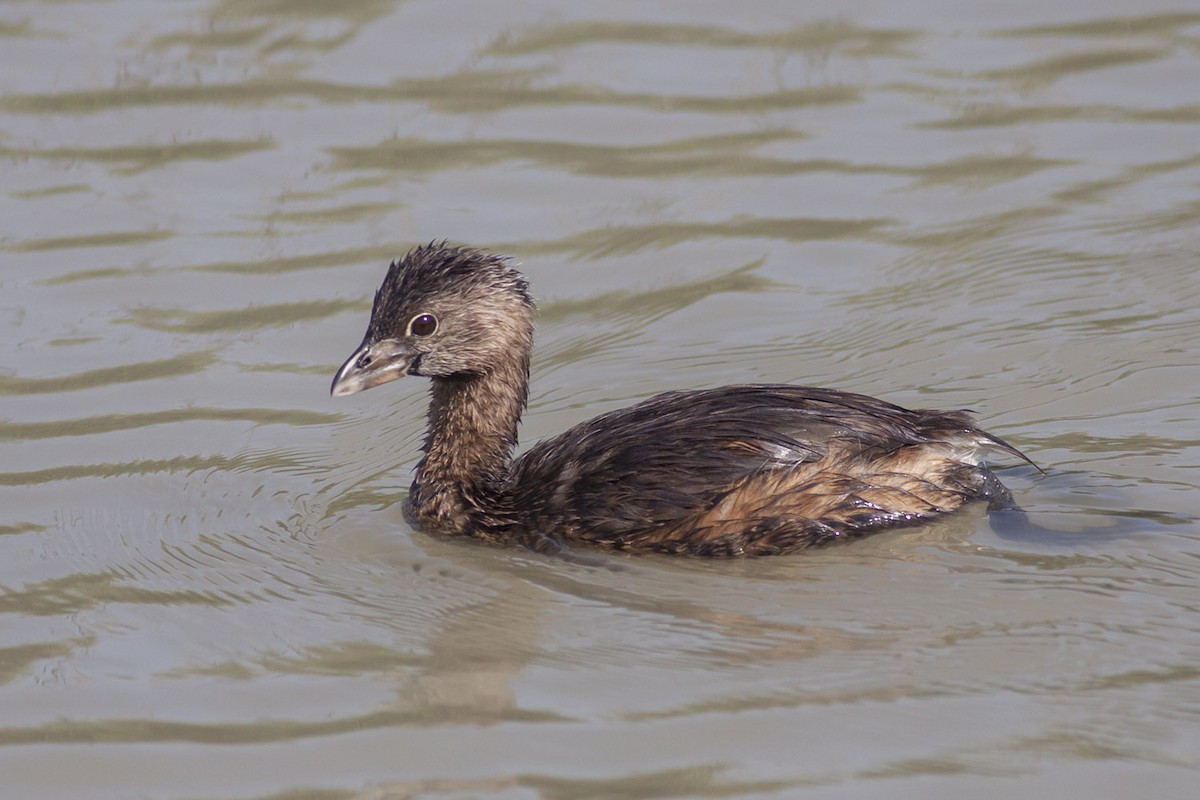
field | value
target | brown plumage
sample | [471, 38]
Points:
[739, 470]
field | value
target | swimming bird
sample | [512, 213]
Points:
[757, 469]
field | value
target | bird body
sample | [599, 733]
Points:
[738, 470]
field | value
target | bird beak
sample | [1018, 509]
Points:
[370, 365]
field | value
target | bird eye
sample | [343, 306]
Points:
[423, 325]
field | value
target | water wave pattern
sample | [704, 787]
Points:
[205, 576]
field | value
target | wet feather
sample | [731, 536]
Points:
[737, 470]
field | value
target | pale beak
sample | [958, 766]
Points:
[372, 364]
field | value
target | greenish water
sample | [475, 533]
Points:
[207, 589]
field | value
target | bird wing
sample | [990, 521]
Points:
[661, 461]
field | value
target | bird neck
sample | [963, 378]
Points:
[472, 432]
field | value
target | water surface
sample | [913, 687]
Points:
[206, 585]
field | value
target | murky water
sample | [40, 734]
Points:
[207, 587]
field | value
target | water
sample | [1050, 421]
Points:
[207, 587]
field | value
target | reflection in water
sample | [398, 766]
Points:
[204, 573]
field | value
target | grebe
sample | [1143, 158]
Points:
[738, 470]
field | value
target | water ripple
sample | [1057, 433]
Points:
[466, 93]
[821, 36]
[235, 319]
[107, 423]
[616, 240]
[259, 731]
[150, 370]
[139, 158]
